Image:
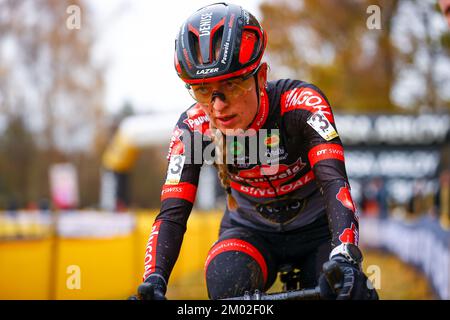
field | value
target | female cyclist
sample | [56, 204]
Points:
[278, 155]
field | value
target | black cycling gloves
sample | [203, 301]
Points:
[347, 282]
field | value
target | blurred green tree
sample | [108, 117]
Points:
[17, 152]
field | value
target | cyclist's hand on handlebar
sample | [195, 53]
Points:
[148, 291]
[153, 288]
[344, 280]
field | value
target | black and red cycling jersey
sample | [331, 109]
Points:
[303, 172]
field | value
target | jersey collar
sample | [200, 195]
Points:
[263, 112]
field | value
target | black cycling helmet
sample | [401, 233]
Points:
[217, 42]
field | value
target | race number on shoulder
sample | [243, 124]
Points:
[175, 169]
[319, 122]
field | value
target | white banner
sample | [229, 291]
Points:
[64, 185]
[94, 224]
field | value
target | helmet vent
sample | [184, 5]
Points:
[248, 46]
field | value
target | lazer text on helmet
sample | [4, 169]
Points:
[207, 71]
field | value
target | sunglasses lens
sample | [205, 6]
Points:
[202, 94]
[231, 89]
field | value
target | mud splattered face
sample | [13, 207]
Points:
[234, 105]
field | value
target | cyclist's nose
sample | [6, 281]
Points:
[219, 101]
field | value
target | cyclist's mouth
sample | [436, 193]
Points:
[226, 121]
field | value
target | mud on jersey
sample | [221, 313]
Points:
[295, 173]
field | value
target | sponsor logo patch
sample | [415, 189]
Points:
[197, 119]
[263, 176]
[150, 252]
[236, 148]
[325, 151]
[266, 192]
[176, 146]
[183, 190]
[272, 140]
[306, 99]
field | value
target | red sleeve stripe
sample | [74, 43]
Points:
[150, 251]
[183, 190]
[237, 245]
[325, 151]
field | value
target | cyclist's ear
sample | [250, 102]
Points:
[262, 75]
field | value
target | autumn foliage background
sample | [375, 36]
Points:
[394, 59]
[52, 91]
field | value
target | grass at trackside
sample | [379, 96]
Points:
[398, 280]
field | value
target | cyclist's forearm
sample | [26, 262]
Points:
[341, 212]
[163, 246]
[328, 162]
